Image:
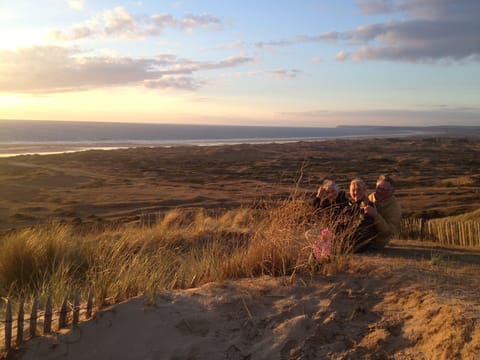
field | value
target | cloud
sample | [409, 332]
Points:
[203, 21]
[175, 83]
[281, 74]
[426, 115]
[465, 10]
[119, 23]
[284, 73]
[431, 30]
[49, 69]
[341, 56]
[372, 7]
[264, 44]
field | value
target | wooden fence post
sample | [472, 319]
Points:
[62, 320]
[76, 309]
[8, 326]
[89, 305]
[20, 320]
[33, 318]
[47, 325]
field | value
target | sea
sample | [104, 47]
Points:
[22, 137]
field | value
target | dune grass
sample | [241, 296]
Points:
[184, 248]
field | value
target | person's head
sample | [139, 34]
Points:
[358, 189]
[331, 189]
[385, 187]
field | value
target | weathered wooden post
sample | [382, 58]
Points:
[33, 318]
[20, 320]
[89, 305]
[62, 320]
[8, 326]
[76, 309]
[47, 325]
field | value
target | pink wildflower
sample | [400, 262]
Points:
[323, 246]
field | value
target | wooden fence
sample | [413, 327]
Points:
[443, 231]
[18, 329]
[149, 219]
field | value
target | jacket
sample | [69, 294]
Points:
[387, 221]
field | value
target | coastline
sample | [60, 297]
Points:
[13, 149]
[22, 137]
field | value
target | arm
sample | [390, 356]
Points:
[387, 221]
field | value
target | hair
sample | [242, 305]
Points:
[330, 184]
[386, 178]
[360, 182]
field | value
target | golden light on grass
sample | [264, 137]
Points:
[185, 248]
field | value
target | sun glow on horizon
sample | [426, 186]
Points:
[212, 62]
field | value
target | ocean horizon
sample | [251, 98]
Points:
[22, 137]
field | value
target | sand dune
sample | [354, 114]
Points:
[409, 302]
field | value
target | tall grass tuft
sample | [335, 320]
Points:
[31, 258]
[184, 248]
[278, 245]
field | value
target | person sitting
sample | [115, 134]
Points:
[386, 212]
[360, 226]
[329, 199]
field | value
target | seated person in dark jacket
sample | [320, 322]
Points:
[361, 227]
[329, 200]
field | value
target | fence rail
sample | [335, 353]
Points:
[18, 329]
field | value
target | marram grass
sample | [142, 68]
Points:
[184, 248]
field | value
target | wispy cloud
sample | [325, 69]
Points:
[433, 30]
[284, 73]
[175, 83]
[341, 56]
[372, 7]
[119, 23]
[49, 69]
[427, 115]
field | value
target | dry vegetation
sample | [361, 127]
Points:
[217, 213]
[190, 248]
[437, 176]
[183, 249]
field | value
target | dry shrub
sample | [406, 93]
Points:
[277, 246]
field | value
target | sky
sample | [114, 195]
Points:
[242, 62]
